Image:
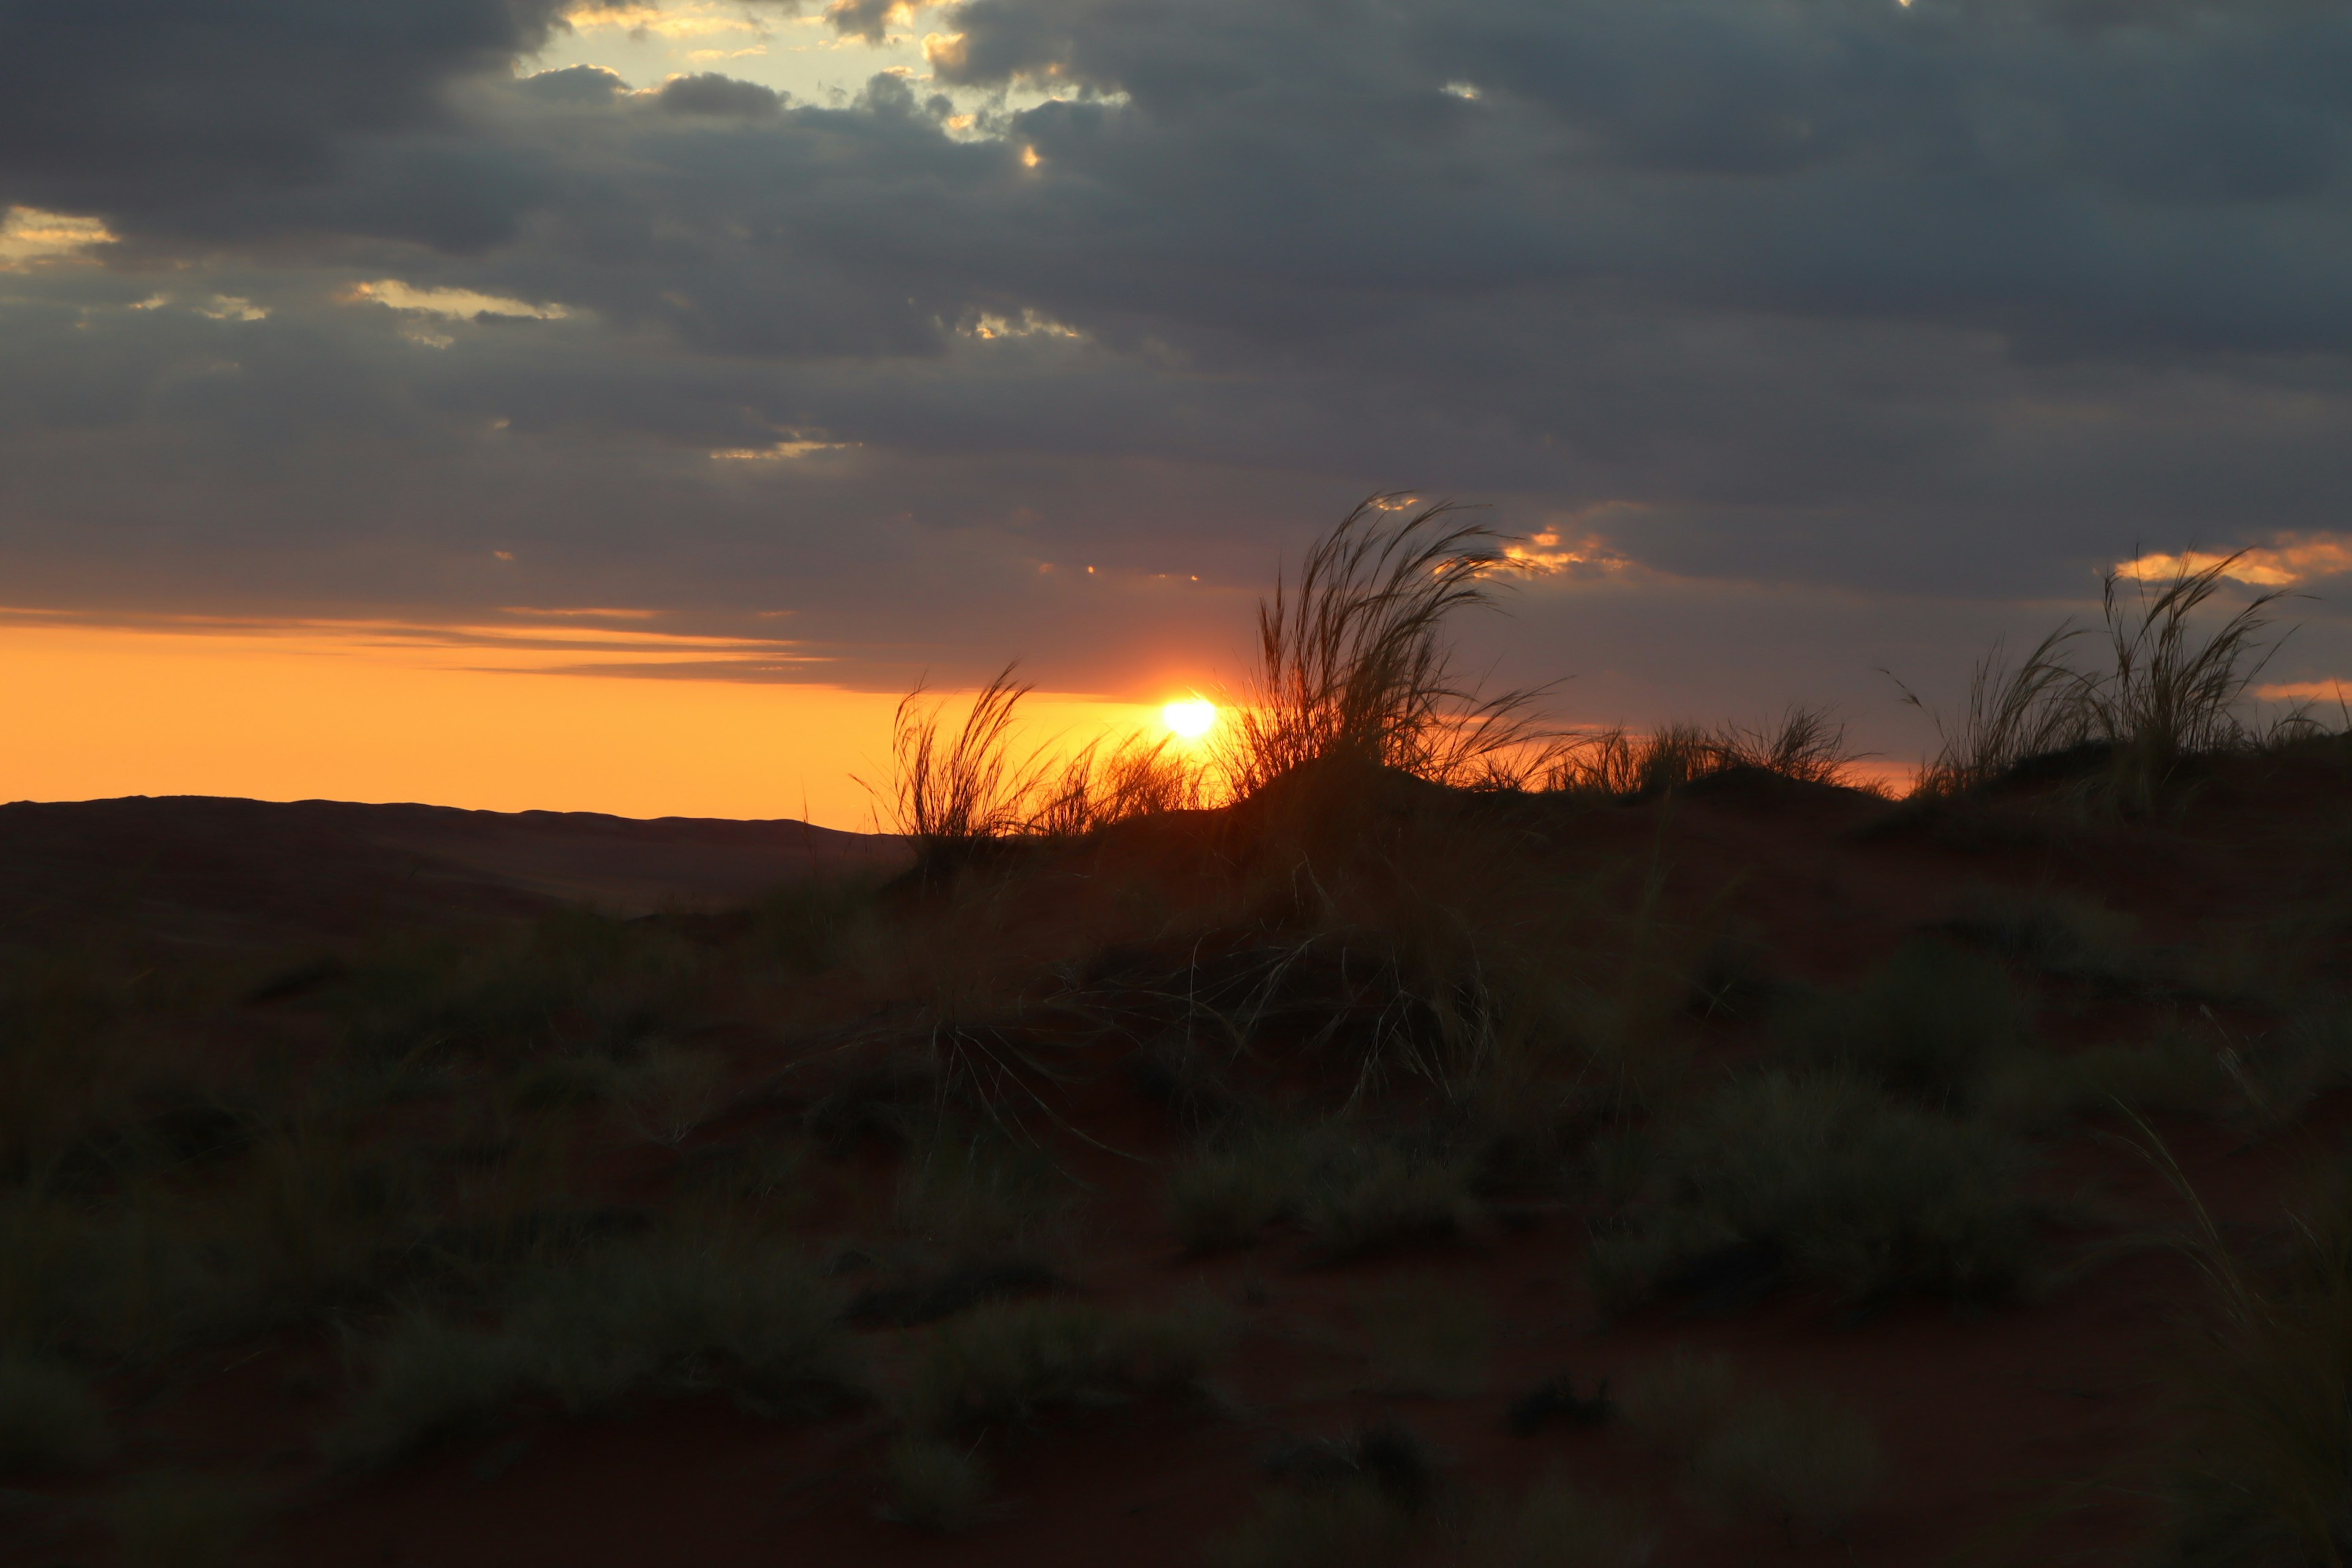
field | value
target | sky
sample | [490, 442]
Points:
[618, 406]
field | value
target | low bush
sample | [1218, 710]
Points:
[1803, 1456]
[1928, 1023]
[1002, 1363]
[1223, 1195]
[628, 1318]
[1826, 1176]
[171, 1520]
[1428, 1337]
[1338, 1527]
[1679, 1403]
[48, 1416]
[934, 1485]
[1360, 1195]
[1555, 1525]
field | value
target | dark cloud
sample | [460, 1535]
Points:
[1826, 303]
[707, 92]
[151, 110]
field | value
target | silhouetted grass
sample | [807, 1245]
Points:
[1353, 663]
[1807, 745]
[2162, 693]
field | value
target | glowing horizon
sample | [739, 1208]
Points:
[487, 719]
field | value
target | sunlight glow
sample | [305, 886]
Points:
[1192, 718]
[457, 304]
[29, 237]
[2296, 558]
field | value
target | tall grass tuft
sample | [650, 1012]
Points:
[2163, 692]
[951, 791]
[1352, 659]
[2264, 1474]
[1807, 744]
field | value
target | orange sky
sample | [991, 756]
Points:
[350, 711]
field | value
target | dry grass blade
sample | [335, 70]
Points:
[2012, 715]
[1352, 659]
[966, 788]
[2168, 694]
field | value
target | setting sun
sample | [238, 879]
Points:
[1192, 718]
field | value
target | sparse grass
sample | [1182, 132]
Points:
[1331, 1527]
[1803, 1456]
[975, 1195]
[48, 1418]
[185, 1520]
[934, 1485]
[1002, 1363]
[2165, 693]
[1807, 744]
[2173, 1072]
[1224, 1194]
[1679, 1403]
[1554, 1525]
[1824, 1175]
[2265, 1472]
[1361, 1195]
[1928, 1023]
[1351, 1189]
[1428, 1337]
[674, 1316]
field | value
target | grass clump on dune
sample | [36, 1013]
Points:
[1353, 663]
[588, 1334]
[1824, 1177]
[48, 1418]
[1800, 1455]
[2163, 693]
[1351, 1191]
[1928, 1023]
[1002, 1363]
[2263, 1471]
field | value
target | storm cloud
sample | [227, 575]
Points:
[1822, 335]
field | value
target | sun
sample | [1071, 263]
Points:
[1191, 719]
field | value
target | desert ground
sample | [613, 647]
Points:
[1663, 1151]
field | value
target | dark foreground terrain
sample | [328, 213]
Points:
[1758, 1171]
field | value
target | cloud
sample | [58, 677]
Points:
[2284, 564]
[1826, 300]
[457, 304]
[30, 237]
[154, 113]
[708, 92]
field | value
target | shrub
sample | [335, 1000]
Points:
[1003, 1361]
[2263, 1471]
[976, 1197]
[933, 1485]
[1360, 1195]
[184, 1522]
[47, 1417]
[1428, 1338]
[1679, 1403]
[1555, 1525]
[1928, 1021]
[657, 1318]
[1339, 1526]
[1831, 1177]
[1802, 1455]
[1223, 1195]
[2172, 1072]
